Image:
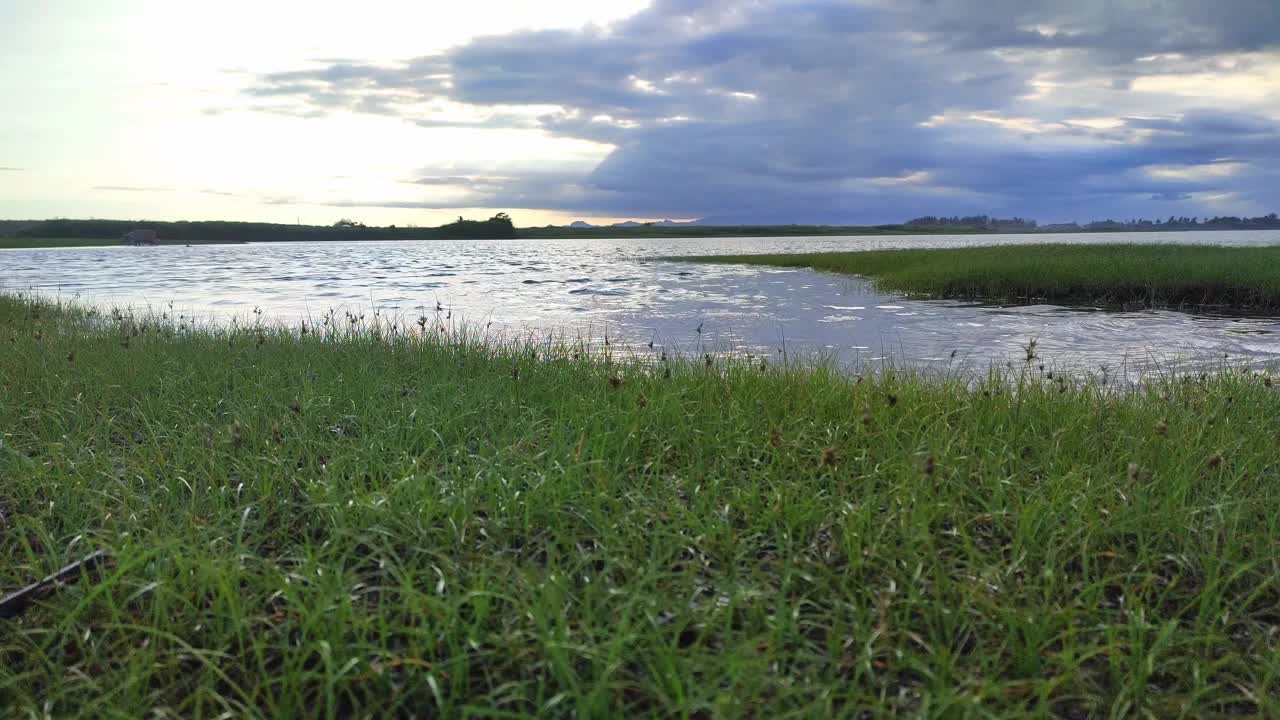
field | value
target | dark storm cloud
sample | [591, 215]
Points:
[805, 110]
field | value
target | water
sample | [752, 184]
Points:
[614, 288]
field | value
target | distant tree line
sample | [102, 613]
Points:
[1225, 222]
[973, 221]
[992, 224]
[501, 227]
[498, 227]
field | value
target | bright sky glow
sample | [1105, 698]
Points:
[143, 94]
[768, 111]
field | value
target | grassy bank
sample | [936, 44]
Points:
[365, 524]
[1142, 275]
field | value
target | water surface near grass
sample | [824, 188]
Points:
[594, 288]
[362, 524]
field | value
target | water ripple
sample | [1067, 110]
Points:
[681, 307]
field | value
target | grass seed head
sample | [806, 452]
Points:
[1215, 461]
[829, 457]
[296, 407]
[1162, 427]
[237, 437]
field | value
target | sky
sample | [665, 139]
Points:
[746, 111]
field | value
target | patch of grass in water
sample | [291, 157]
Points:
[358, 523]
[1117, 275]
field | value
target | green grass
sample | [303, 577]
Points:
[369, 525]
[1119, 275]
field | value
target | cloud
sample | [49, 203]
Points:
[816, 111]
[131, 188]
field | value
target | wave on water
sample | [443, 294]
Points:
[597, 291]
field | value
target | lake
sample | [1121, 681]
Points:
[597, 288]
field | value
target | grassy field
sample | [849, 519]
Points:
[352, 522]
[1142, 275]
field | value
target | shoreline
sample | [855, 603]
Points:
[17, 243]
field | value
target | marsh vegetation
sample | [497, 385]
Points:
[1118, 275]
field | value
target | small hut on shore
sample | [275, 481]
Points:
[141, 237]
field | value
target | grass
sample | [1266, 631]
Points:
[360, 523]
[1117, 275]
